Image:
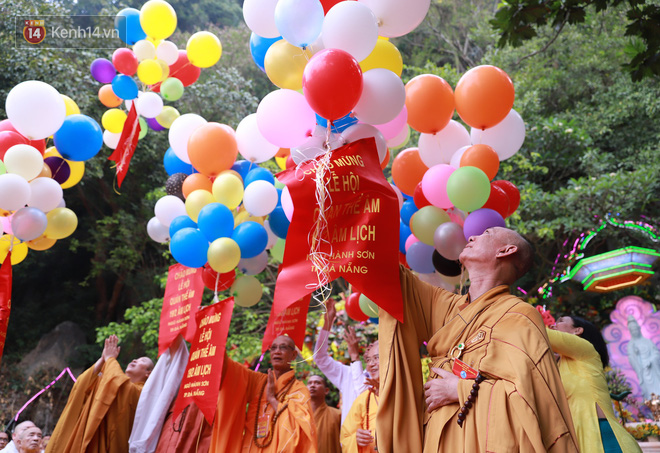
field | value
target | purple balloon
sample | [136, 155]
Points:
[420, 258]
[480, 220]
[154, 125]
[102, 70]
[59, 167]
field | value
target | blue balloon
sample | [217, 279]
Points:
[189, 247]
[420, 258]
[173, 164]
[258, 48]
[407, 210]
[127, 23]
[181, 222]
[215, 220]
[279, 224]
[374, 320]
[339, 125]
[124, 87]
[242, 167]
[258, 174]
[79, 138]
[251, 238]
[404, 232]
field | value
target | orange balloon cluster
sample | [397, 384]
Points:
[483, 157]
[408, 170]
[484, 96]
[430, 103]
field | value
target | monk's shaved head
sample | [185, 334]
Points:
[524, 256]
[287, 339]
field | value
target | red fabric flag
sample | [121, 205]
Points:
[362, 235]
[291, 322]
[5, 300]
[123, 153]
[183, 296]
[203, 374]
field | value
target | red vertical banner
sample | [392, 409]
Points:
[291, 322]
[128, 140]
[183, 296]
[203, 374]
[5, 300]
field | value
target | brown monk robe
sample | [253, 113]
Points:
[327, 419]
[521, 404]
[99, 414]
[189, 432]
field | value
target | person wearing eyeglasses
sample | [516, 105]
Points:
[279, 416]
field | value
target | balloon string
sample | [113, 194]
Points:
[43, 390]
[217, 281]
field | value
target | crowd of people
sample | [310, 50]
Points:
[499, 381]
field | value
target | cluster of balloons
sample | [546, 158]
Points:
[162, 70]
[33, 214]
[360, 308]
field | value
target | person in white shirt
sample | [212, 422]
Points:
[349, 379]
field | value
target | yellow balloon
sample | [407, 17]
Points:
[228, 190]
[246, 290]
[385, 55]
[203, 49]
[41, 243]
[77, 172]
[71, 106]
[149, 72]
[113, 120]
[281, 162]
[233, 172]
[223, 255]
[196, 200]
[167, 116]
[158, 19]
[285, 63]
[62, 222]
[19, 250]
[164, 68]
[154, 41]
[52, 152]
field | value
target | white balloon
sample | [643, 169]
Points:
[35, 109]
[24, 160]
[157, 231]
[144, 50]
[438, 148]
[383, 97]
[400, 140]
[506, 137]
[180, 131]
[168, 52]
[251, 143]
[299, 21]
[45, 194]
[14, 192]
[399, 195]
[28, 223]
[358, 131]
[315, 145]
[397, 17]
[272, 237]
[255, 265]
[260, 198]
[111, 139]
[169, 208]
[287, 203]
[129, 102]
[456, 157]
[259, 16]
[352, 27]
[149, 104]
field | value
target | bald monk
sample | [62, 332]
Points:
[279, 414]
[327, 419]
[15, 434]
[358, 433]
[518, 404]
[99, 414]
[29, 441]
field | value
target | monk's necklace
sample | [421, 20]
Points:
[282, 408]
[371, 392]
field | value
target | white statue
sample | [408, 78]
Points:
[644, 357]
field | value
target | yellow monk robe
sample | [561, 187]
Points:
[99, 414]
[233, 428]
[358, 418]
[328, 426]
[521, 406]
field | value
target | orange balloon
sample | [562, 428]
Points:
[483, 157]
[108, 97]
[484, 96]
[212, 149]
[41, 243]
[196, 181]
[386, 160]
[430, 103]
[283, 152]
[408, 170]
[46, 172]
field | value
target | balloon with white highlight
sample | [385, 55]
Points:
[287, 203]
[35, 109]
[111, 139]
[260, 198]
[28, 223]
[383, 97]
[129, 102]
[144, 50]
[24, 160]
[252, 145]
[14, 192]
[393, 128]
[169, 208]
[168, 52]
[449, 240]
[285, 118]
[396, 17]
[45, 194]
[359, 131]
[149, 104]
[259, 16]
[400, 140]
[351, 27]
[299, 21]
[439, 148]
[272, 237]
[506, 137]
[157, 231]
[254, 265]
[180, 131]
[455, 160]
[315, 145]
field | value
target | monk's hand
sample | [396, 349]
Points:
[270, 390]
[353, 343]
[442, 390]
[364, 437]
[330, 314]
[111, 348]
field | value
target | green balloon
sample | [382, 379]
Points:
[171, 89]
[279, 184]
[425, 221]
[143, 128]
[468, 188]
[3, 169]
[277, 252]
[368, 306]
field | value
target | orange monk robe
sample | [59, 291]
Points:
[358, 418]
[99, 414]
[328, 426]
[233, 428]
[521, 406]
[189, 432]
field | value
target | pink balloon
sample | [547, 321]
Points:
[410, 241]
[392, 128]
[434, 185]
[6, 224]
[287, 203]
[456, 215]
[285, 118]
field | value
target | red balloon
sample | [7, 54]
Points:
[9, 139]
[498, 200]
[183, 70]
[289, 162]
[332, 83]
[5, 125]
[209, 277]
[125, 61]
[327, 4]
[418, 197]
[353, 308]
[512, 192]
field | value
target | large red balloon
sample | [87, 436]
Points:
[498, 200]
[9, 139]
[418, 197]
[332, 83]
[353, 308]
[484, 96]
[125, 61]
[183, 70]
[512, 192]
[209, 277]
[5, 125]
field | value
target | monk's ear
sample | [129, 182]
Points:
[578, 331]
[506, 250]
[327, 390]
